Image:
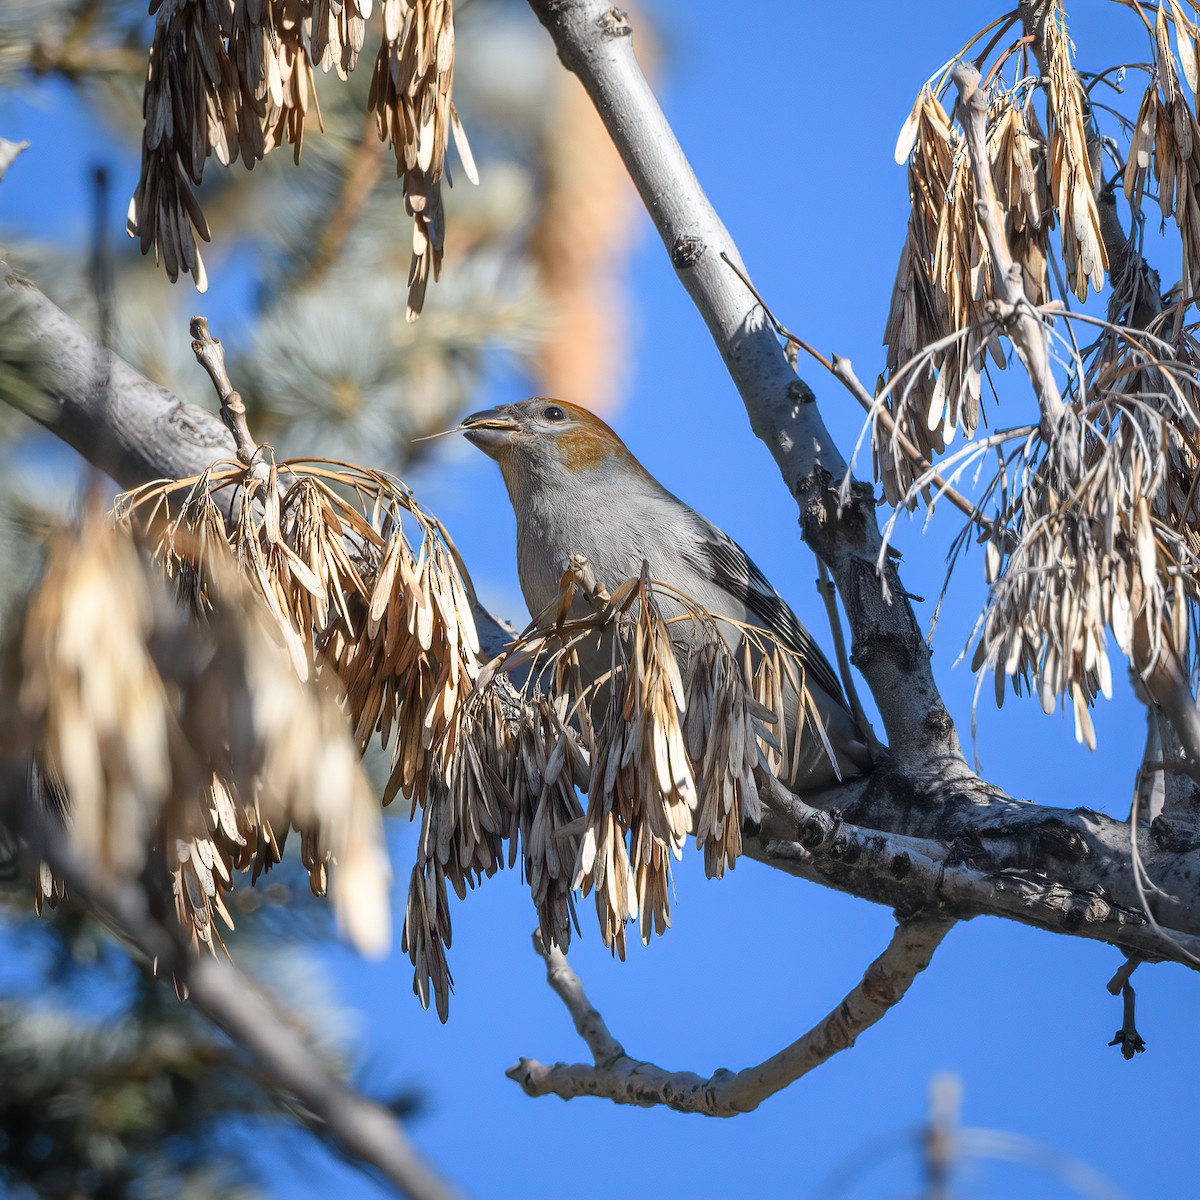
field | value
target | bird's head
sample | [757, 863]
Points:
[540, 439]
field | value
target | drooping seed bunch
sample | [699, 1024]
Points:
[326, 547]
[941, 326]
[1165, 143]
[336, 601]
[1089, 521]
[235, 78]
[1074, 158]
[638, 700]
[937, 330]
[186, 748]
[411, 95]
[384, 627]
[1113, 545]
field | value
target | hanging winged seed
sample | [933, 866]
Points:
[549, 851]
[1166, 142]
[723, 728]
[412, 97]
[224, 79]
[1115, 554]
[339, 28]
[1017, 149]
[49, 891]
[246, 712]
[211, 846]
[396, 628]
[466, 820]
[288, 745]
[268, 46]
[1072, 180]
[420, 643]
[291, 101]
[1141, 147]
[426, 937]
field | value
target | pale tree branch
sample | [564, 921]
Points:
[614, 1075]
[1012, 309]
[594, 41]
[365, 1130]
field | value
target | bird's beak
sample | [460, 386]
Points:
[490, 430]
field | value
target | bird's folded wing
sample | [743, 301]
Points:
[719, 556]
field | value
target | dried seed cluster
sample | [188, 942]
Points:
[937, 330]
[411, 95]
[226, 79]
[1073, 145]
[190, 746]
[1110, 544]
[345, 586]
[1093, 525]
[308, 593]
[665, 743]
[385, 629]
[234, 78]
[1165, 143]
[91, 690]
[940, 327]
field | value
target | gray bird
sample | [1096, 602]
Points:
[577, 490]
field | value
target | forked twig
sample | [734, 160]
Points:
[1127, 1037]
[615, 1076]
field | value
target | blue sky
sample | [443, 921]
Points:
[789, 113]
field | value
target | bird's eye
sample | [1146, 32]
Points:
[554, 413]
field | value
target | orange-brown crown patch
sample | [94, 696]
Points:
[584, 447]
[590, 441]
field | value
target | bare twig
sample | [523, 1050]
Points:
[843, 370]
[1121, 978]
[1127, 1037]
[829, 595]
[615, 1076]
[210, 354]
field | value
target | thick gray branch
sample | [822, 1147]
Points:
[594, 40]
[1065, 872]
[614, 1075]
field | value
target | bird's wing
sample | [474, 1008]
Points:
[716, 554]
